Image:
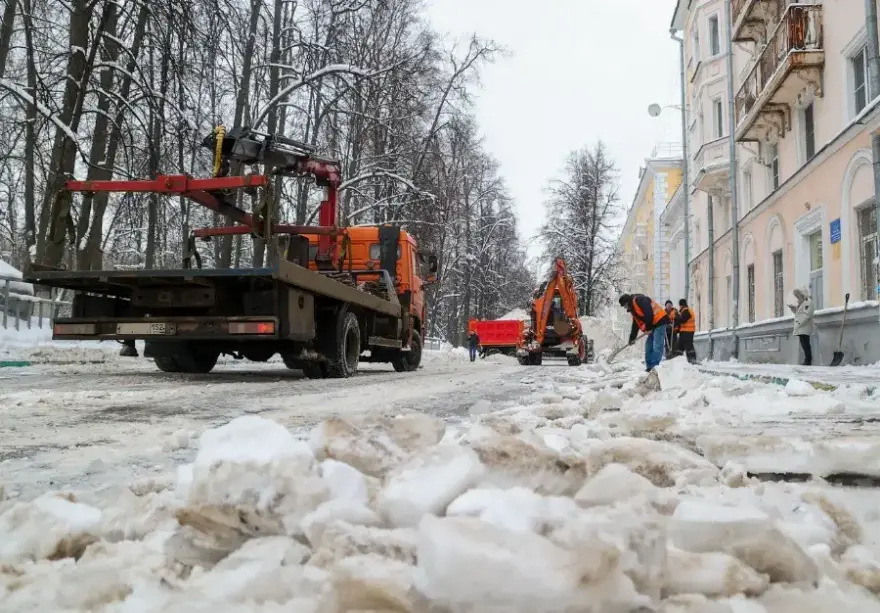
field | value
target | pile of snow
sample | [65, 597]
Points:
[520, 314]
[553, 505]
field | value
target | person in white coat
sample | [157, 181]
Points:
[803, 323]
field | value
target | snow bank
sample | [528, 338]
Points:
[580, 498]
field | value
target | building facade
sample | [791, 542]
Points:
[804, 116]
[644, 245]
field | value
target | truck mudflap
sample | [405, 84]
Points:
[170, 329]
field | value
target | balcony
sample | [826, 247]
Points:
[788, 72]
[711, 166]
[752, 19]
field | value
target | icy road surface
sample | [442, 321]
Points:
[89, 425]
[463, 488]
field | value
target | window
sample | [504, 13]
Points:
[750, 272]
[714, 36]
[778, 285]
[729, 301]
[809, 133]
[718, 118]
[773, 163]
[817, 289]
[860, 82]
[868, 251]
[747, 190]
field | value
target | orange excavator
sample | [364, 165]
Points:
[555, 329]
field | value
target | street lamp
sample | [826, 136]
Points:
[654, 110]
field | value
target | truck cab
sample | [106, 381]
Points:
[386, 247]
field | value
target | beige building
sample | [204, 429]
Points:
[804, 114]
[644, 242]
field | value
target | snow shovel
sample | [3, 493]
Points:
[838, 355]
[616, 353]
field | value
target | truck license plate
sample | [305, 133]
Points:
[140, 328]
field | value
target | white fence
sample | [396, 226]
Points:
[15, 307]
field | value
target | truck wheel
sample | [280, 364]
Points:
[408, 361]
[537, 359]
[524, 360]
[342, 345]
[313, 370]
[167, 363]
[580, 358]
[188, 361]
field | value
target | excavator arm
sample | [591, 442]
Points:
[564, 323]
[555, 303]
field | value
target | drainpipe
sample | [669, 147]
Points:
[734, 206]
[685, 187]
[710, 218]
[874, 71]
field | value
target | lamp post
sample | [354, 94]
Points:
[654, 110]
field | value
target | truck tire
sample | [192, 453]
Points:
[313, 370]
[581, 357]
[189, 360]
[341, 345]
[166, 363]
[408, 361]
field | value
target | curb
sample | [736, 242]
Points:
[777, 380]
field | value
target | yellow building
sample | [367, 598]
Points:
[643, 246]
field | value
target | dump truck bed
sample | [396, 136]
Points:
[497, 332]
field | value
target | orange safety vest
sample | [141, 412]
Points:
[691, 324]
[659, 314]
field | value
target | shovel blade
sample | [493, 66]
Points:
[838, 358]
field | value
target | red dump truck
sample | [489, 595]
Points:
[497, 335]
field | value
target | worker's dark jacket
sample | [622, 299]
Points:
[473, 341]
[646, 315]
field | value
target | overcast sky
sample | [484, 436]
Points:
[580, 70]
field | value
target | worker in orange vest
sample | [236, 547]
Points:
[671, 328]
[650, 317]
[687, 326]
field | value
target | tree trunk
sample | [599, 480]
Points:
[94, 243]
[99, 139]
[55, 220]
[30, 139]
[7, 28]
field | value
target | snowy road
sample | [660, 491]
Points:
[554, 470]
[82, 426]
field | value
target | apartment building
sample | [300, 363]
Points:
[644, 244]
[804, 115]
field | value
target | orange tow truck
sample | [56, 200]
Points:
[327, 298]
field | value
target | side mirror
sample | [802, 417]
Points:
[432, 264]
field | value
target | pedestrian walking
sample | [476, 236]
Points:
[650, 317]
[803, 323]
[473, 344]
[686, 322]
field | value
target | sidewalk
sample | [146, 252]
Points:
[823, 377]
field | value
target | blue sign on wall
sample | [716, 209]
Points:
[835, 231]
